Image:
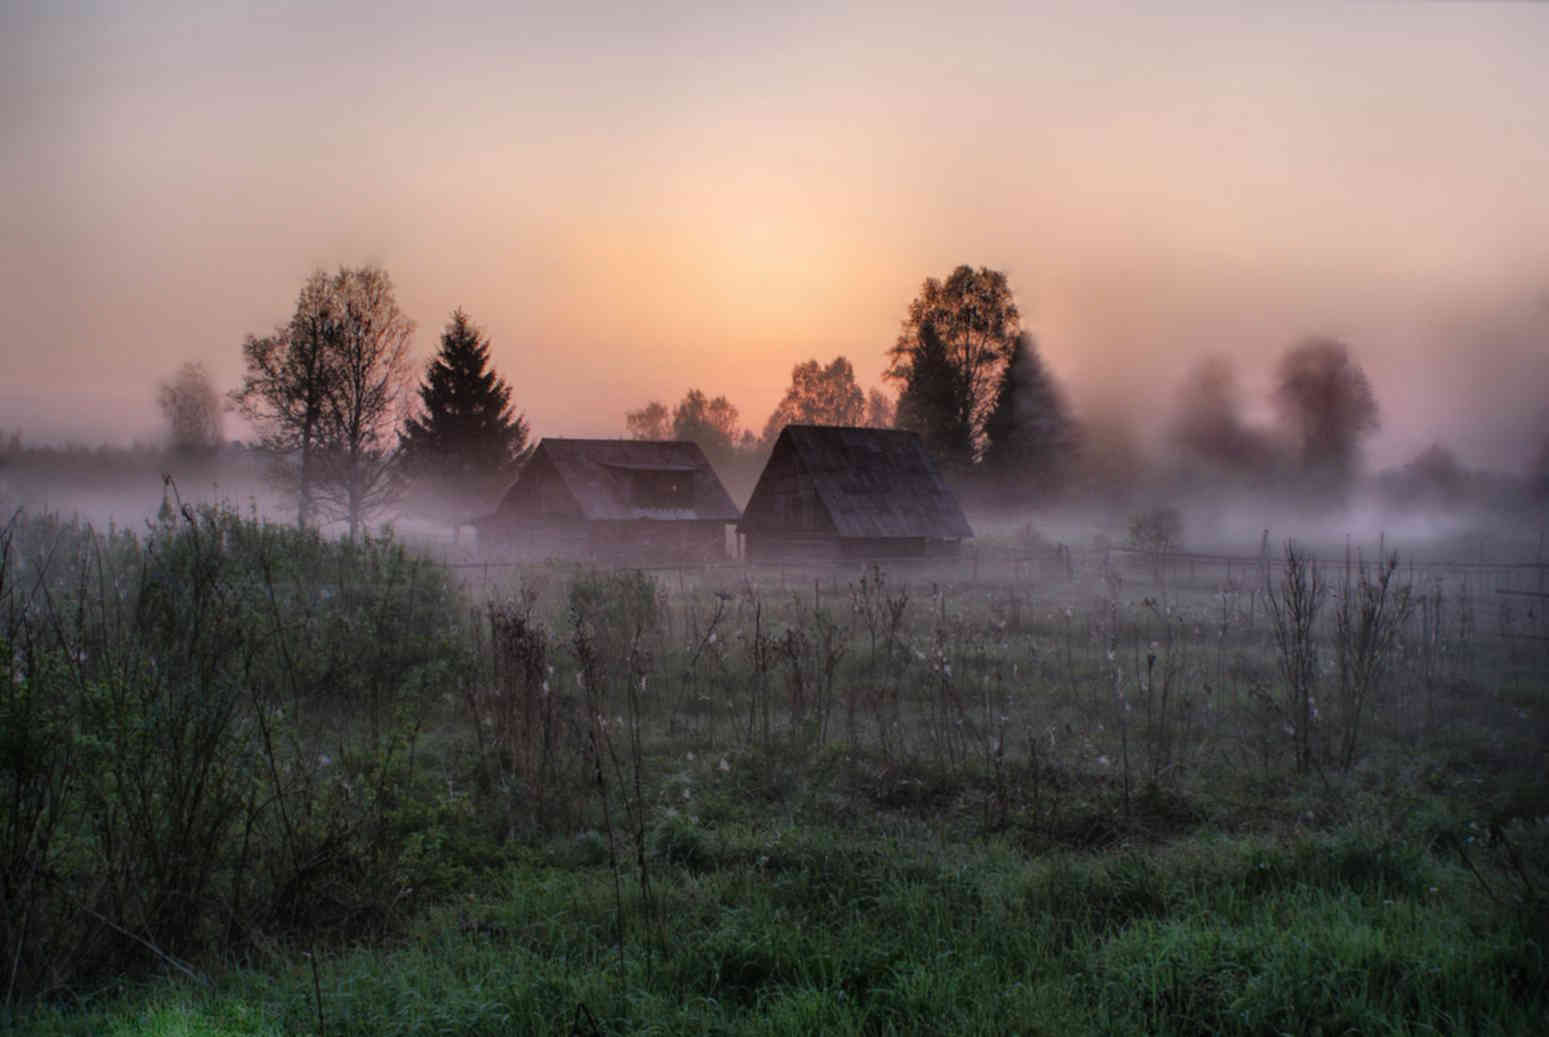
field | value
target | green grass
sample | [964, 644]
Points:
[1023, 836]
[821, 930]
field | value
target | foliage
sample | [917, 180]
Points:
[1370, 615]
[976, 324]
[818, 396]
[651, 422]
[1294, 612]
[881, 411]
[1029, 435]
[931, 403]
[710, 423]
[467, 436]
[1209, 426]
[192, 407]
[1327, 405]
[958, 856]
[284, 390]
[208, 732]
[325, 391]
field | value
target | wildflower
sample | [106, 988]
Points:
[1102, 761]
[711, 639]
[723, 766]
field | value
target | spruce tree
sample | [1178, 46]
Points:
[929, 403]
[1028, 435]
[467, 436]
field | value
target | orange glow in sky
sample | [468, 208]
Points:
[635, 203]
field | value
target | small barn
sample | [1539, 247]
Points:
[830, 494]
[615, 500]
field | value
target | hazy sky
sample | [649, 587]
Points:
[636, 201]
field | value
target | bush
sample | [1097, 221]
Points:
[208, 736]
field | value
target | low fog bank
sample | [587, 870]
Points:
[125, 487]
[1473, 517]
[113, 487]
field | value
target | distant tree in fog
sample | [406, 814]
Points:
[1208, 425]
[931, 404]
[192, 407]
[710, 423]
[467, 435]
[975, 322]
[881, 412]
[1327, 405]
[653, 421]
[818, 396]
[325, 391]
[1029, 436]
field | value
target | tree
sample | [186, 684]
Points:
[371, 364]
[653, 422]
[467, 433]
[818, 396]
[881, 412]
[977, 323]
[1029, 435]
[287, 380]
[930, 404]
[192, 408]
[1327, 405]
[325, 391]
[710, 423]
[1208, 425]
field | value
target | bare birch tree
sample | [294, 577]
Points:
[326, 391]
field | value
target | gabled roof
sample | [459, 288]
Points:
[874, 484]
[600, 475]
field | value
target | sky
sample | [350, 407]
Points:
[637, 201]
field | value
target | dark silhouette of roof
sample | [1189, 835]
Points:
[872, 483]
[603, 478]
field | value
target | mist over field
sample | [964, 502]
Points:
[379, 388]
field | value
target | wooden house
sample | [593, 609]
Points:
[613, 500]
[830, 494]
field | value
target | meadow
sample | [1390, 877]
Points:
[259, 782]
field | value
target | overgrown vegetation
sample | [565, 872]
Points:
[210, 737]
[256, 782]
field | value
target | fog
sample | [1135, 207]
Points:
[633, 205]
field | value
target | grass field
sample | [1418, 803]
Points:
[259, 783]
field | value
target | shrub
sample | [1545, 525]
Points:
[208, 736]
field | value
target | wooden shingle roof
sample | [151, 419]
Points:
[873, 483]
[600, 476]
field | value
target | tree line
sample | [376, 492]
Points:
[347, 428]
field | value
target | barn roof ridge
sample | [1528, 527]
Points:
[594, 472]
